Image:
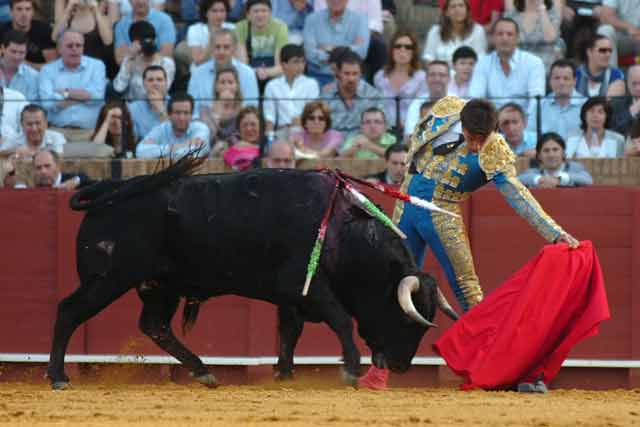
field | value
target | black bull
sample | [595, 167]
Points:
[172, 236]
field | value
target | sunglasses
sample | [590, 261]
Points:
[403, 46]
[317, 118]
[605, 50]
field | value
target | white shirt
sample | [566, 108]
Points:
[282, 103]
[12, 104]
[371, 9]
[52, 140]
[435, 48]
[413, 113]
[526, 79]
[125, 5]
[611, 146]
[198, 34]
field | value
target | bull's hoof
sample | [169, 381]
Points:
[350, 379]
[208, 380]
[60, 385]
[283, 375]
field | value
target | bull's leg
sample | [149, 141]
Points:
[87, 301]
[340, 322]
[155, 322]
[290, 324]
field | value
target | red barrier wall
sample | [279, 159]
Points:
[37, 231]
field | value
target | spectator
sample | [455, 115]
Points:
[396, 166]
[512, 123]
[16, 73]
[317, 139]
[35, 134]
[142, 54]
[335, 54]
[372, 11]
[553, 168]
[352, 95]
[86, 17]
[539, 23]
[285, 96]
[621, 23]
[293, 13]
[40, 47]
[115, 128]
[47, 173]
[626, 109]
[456, 29]
[632, 148]
[464, 61]
[560, 109]
[281, 156]
[596, 77]
[213, 14]
[178, 136]
[425, 108]
[243, 154]
[72, 88]
[596, 140]
[152, 111]
[373, 139]
[263, 37]
[402, 77]
[11, 105]
[221, 116]
[328, 28]
[437, 86]
[508, 74]
[201, 83]
[162, 23]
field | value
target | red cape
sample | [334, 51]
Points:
[528, 325]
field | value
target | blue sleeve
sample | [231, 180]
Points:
[98, 81]
[312, 53]
[46, 89]
[168, 31]
[121, 34]
[362, 28]
[151, 151]
[479, 83]
[250, 90]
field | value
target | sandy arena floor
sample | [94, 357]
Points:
[299, 404]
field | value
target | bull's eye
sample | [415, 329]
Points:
[106, 246]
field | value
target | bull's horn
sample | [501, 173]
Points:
[407, 286]
[445, 306]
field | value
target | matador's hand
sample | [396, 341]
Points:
[568, 239]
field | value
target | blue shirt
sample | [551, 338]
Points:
[564, 120]
[144, 118]
[25, 81]
[162, 23]
[319, 30]
[162, 137]
[89, 75]
[202, 78]
[526, 79]
[284, 10]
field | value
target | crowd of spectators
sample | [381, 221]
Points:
[282, 80]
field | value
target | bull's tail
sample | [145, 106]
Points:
[190, 314]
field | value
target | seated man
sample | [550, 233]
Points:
[280, 156]
[373, 140]
[72, 88]
[553, 169]
[331, 27]
[512, 123]
[620, 23]
[149, 113]
[35, 136]
[396, 160]
[177, 136]
[626, 109]
[163, 24]
[16, 73]
[351, 96]
[47, 173]
[11, 106]
[40, 48]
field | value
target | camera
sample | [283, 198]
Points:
[148, 46]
